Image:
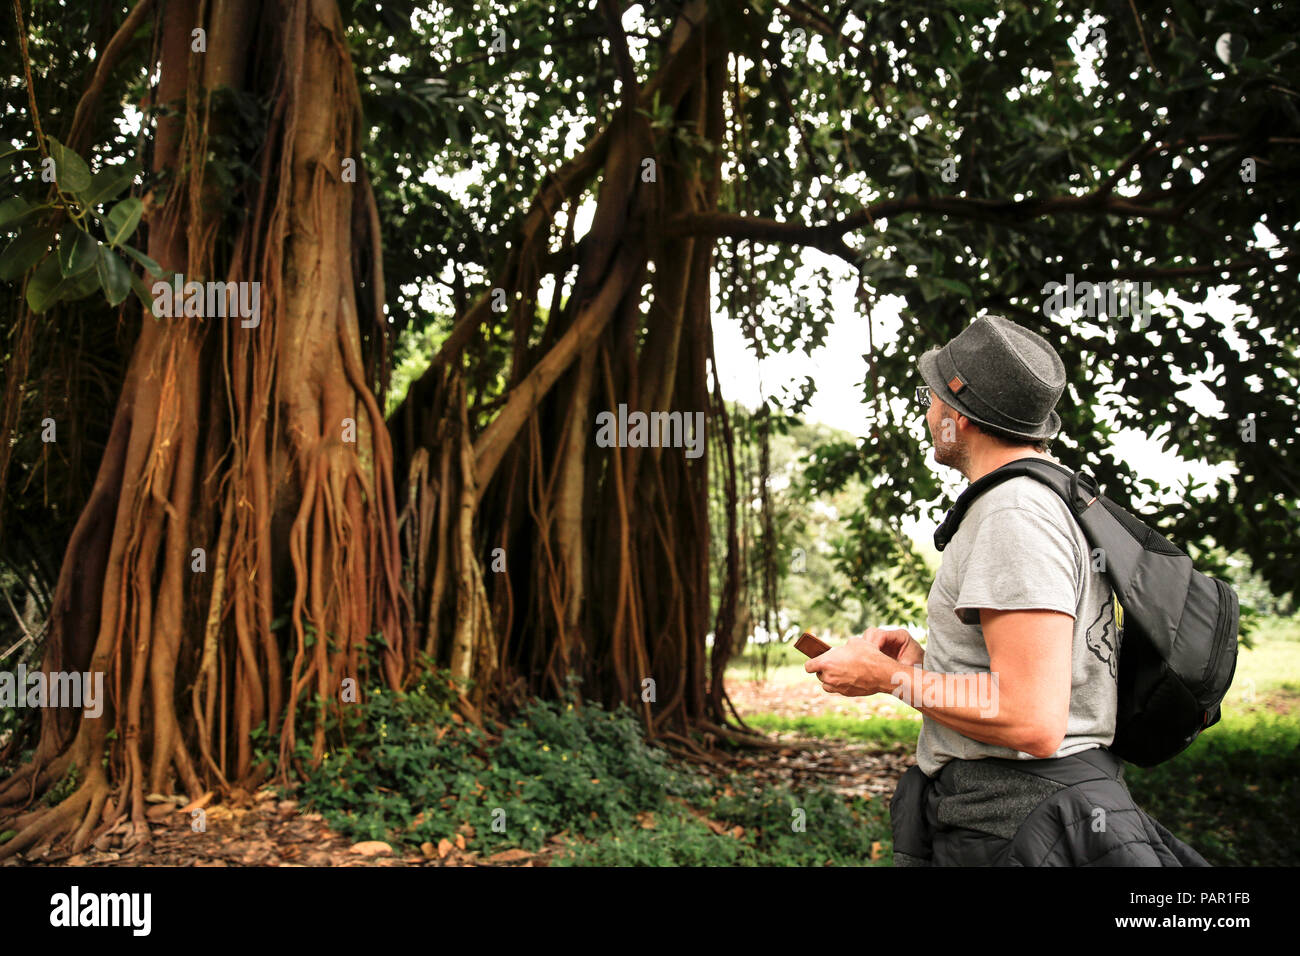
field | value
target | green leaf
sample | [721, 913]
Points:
[80, 286]
[77, 252]
[12, 209]
[953, 285]
[154, 269]
[109, 183]
[142, 292]
[43, 286]
[30, 214]
[70, 170]
[25, 251]
[48, 285]
[122, 220]
[114, 276]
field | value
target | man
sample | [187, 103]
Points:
[1017, 683]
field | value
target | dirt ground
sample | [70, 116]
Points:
[263, 830]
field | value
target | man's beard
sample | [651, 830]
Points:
[955, 454]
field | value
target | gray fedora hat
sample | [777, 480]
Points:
[999, 374]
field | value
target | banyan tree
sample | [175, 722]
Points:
[265, 539]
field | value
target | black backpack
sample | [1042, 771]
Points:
[1178, 627]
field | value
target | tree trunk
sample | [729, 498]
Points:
[263, 445]
[605, 550]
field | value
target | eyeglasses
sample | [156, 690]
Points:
[923, 395]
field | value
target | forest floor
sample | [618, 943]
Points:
[264, 830]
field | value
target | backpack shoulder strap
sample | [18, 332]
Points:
[1077, 489]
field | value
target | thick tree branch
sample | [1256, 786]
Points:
[1002, 211]
[1188, 272]
[566, 183]
[108, 59]
[526, 396]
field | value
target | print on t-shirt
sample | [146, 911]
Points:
[1101, 637]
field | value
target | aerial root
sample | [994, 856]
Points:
[77, 813]
[32, 779]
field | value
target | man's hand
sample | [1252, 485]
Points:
[856, 669]
[897, 643]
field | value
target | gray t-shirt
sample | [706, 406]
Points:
[1019, 548]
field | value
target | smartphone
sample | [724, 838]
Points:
[811, 645]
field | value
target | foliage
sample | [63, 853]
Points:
[404, 768]
[1114, 158]
[403, 758]
[69, 261]
[63, 789]
[66, 364]
[864, 107]
[838, 831]
[1231, 794]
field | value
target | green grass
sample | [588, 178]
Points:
[1232, 794]
[1277, 629]
[1271, 665]
[888, 732]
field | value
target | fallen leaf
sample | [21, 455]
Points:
[876, 852]
[428, 850]
[371, 848]
[204, 800]
[510, 856]
[460, 841]
[444, 847]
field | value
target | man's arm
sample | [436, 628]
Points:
[1029, 679]
[1029, 660]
